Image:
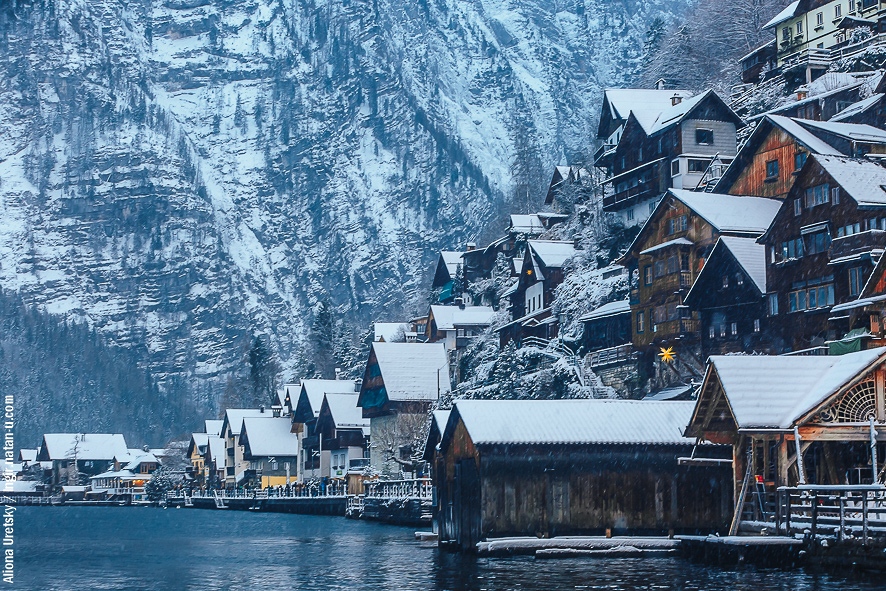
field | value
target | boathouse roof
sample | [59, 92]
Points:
[82, 446]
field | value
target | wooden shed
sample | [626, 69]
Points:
[574, 467]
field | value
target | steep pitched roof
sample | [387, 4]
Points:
[749, 255]
[526, 224]
[769, 391]
[450, 317]
[452, 259]
[388, 330]
[858, 108]
[27, 455]
[552, 253]
[577, 422]
[858, 132]
[198, 440]
[788, 13]
[213, 426]
[216, 450]
[314, 390]
[83, 446]
[269, 436]
[861, 179]
[645, 104]
[606, 310]
[674, 114]
[411, 371]
[234, 417]
[731, 213]
[344, 411]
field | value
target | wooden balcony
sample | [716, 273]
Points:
[847, 247]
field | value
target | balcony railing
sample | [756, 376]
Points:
[418, 488]
[638, 192]
[850, 511]
[613, 355]
[863, 242]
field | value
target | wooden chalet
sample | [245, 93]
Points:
[315, 458]
[271, 450]
[822, 247]
[869, 111]
[345, 433]
[729, 296]
[686, 145]
[606, 326]
[862, 321]
[757, 61]
[793, 420]
[669, 253]
[531, 297]
[400, 383]
[77, 456]
[573, 467]
[448, 264]
[769, 162]
[456, 326]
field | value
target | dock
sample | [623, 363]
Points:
[570, 546]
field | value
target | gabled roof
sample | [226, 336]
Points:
[314, 390]
[215, 449]
[860, 178]
[83, 446]
[451, 317]
[811, 99]
[452, 259]
[788, 13]
[388, 330]
[526, 224]
[552, 253]
[439, 418]
[268, 437]
[575, 422]
[344, 411]
[858, 108]
[27, 455]
[674, 114]
[234, 417]
[198, 440]
[213, 426]
[749, 255]
[607, 310]
[646, 105]
[410, 371]
[769, 391]
[137, 459]
[857, 132]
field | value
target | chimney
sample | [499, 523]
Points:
[471, 246]
[358, 385]
[659, 84]
[146, 448]
[676, 99]
[337, 373]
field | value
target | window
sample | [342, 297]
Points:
[817, 296]
[639, 154]
[675, 167]
[835, 195]
[772, 169]
[849, 230]
[274, 465]
[739, 279]
[660, 269]
[704, 136]
[673, 264]
[798, 206]
[641, 321]
[734, 328]
[712, 332]
[722, 330]
[799, 160]
[838, 11]
[756, 325]
[818, 242]
[819, 19]
[799, 28]
[678, 224]
[725, 281]
[817, 195]
[773, 304]
[647, 275]
[698, 165]
[629, 214]
[856, 281]
[791, 249]
[786, 34]
[660, 144]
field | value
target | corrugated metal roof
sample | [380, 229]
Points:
[771, 391]
[575, 421]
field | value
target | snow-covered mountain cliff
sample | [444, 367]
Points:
[188, 173]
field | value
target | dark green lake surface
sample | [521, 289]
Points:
[141, 548]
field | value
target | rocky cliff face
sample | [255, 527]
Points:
[185, 174]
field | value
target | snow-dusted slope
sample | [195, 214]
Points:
[186, 173]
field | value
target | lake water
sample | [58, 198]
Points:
[141, 548]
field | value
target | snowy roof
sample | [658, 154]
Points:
[389, 330]
[769, 391]
[141, 458]
[450, 317]
[858, 132]
[452, 259]
[857, 108]
[216, 448]
[234, 417]
[731, 213]
[673, 114]
[610, 309]
[441, 417]
[199, 439]
[85, 446]
[21, 486]
[859, 303]
[213, 426]
[803, 135]
[27, 455]
[511, 290]
[269, 436]
[345, 412]
[574, 421]
[316, 389]
[747, 253]
[669, 243]
[789, 12]
[861, 179]
[526, 224]
[669, 393]
[552, 253]
[646, 104]
[812, 98]
[410, 370]
[769, 43]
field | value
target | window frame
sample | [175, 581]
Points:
[701, 132]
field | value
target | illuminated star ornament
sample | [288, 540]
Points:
[667, 355]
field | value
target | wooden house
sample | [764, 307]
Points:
[345, 433]
[449, 266]
[235, 464]
[315, 457]
[76, 456]
[758, 61]
[686, 145]
[862, 321]
[270, 449]
[869, 111]
[541, 271]
[214, 463]
[456, 326]
[729, 296]
[400, 383]
[822, 246]
[573, 467]
[670, 252]
[768, 163]
[775, 410]
[823, 105]
[197, 456]
[606, 326]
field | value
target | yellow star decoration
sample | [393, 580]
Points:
[667, 355]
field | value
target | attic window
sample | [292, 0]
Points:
[704, 136]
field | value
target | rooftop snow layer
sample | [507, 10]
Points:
[610, 309]
[450, 317]
[213, 426]
[84, 446]
[773, 391]
[413, 371]
[751, 256]
[856, 108]
[345, 412]
[646, 104]
[575, 421]
[389, 330]
[316, 389]
[789, 12]
[803, 135]
[861, 179]
[216, 448]
[526, 224]
[859, 132]
[674, 242]
[731, 213]
[270, 436]
[552, 253]
[675, 113]
[452, 259]
[234, 417]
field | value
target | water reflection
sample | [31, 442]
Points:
[80, 548]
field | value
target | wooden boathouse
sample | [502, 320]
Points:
[575, 467]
